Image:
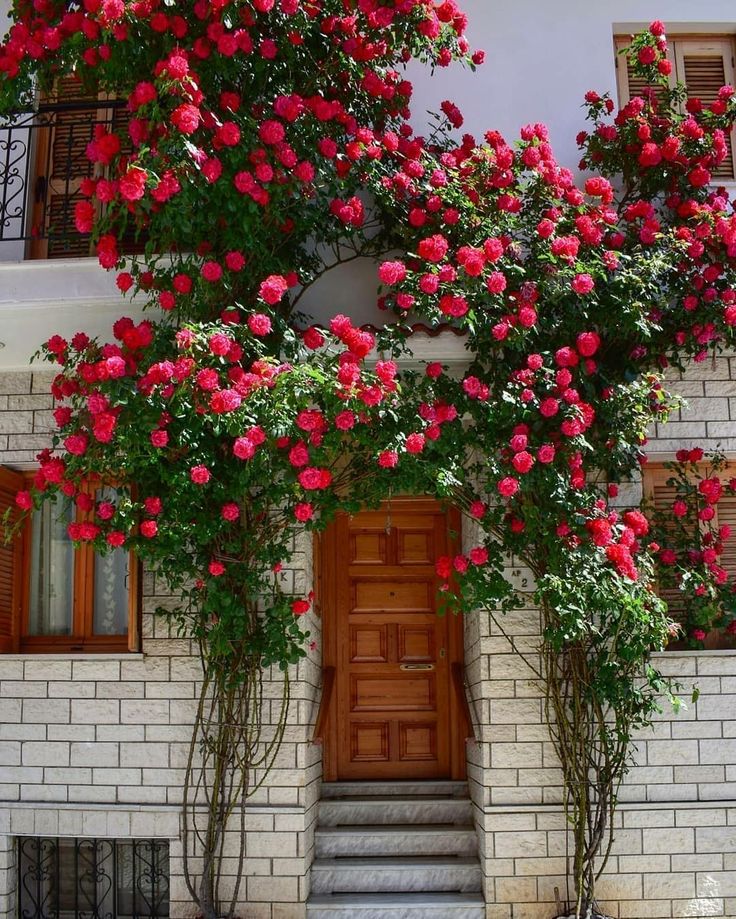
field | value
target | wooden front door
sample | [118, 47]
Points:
[394, 714]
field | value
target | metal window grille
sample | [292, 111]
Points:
[43, 161]
[93, 878]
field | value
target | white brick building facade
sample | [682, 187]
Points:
[96, 745]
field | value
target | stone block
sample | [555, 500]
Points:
[144, 754]
[668, 840]
[95, 711]
[94, 754]
[516, 890]
[46, 711]
[148, 711]
[670, 753]
[700, 816]
[522, 844]
[45, 754]
[96, 670]
[513, 755]
[659, 886]
[715, 839]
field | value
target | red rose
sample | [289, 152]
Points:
[200, 475]
[582, 284]
[303, 511]
[149, 528]
[271, 132]
[587, 343]
[273, 289]
[230, 511]
[433, 248]
[24, 500]
[259, 324]
[392, 272]
[186, 118]
[132, 185]
[415, 443]
[508, 487]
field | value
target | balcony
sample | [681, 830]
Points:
[49, 280]
[43, 162]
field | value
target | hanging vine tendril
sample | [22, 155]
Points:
[231, 744]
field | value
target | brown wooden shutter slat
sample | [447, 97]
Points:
[727, 516]
[664, 497]
[11, 566]
[704, 75]
[638, 86]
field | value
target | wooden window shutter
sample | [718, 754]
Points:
[704, 67]
[663, 496]
[61, 165]
[11, 566]
[629, 84]
[726, 510]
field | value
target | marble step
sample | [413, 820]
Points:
[383, 875]
[402, 789]
[406, 839]
[390, 809]
[397, 906]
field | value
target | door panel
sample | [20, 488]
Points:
[394, 714]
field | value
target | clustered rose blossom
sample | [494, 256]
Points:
[537, 281]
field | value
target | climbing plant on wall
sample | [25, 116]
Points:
[269, 141]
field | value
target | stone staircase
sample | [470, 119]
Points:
[396, 850]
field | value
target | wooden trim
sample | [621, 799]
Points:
[10, 483]
[135, 605]
[328, 690]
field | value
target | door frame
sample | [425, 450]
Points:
[325, 576]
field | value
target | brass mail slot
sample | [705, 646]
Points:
[417, 667]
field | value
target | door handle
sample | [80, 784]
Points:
[417, 667]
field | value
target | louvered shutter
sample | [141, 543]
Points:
[61, 164]
[704, 67]
[11, 566]
[726, 508]
[629, 84]
[663, 497]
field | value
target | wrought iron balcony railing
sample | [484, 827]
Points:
[43, 161]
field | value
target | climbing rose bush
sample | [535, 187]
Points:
[270, 141]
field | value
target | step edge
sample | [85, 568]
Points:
[382, 829]
[459, 898]
[399, 864]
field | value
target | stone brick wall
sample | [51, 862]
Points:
[96, 745]
[675, 841]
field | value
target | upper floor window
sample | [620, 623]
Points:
[47, 163]
[704, 64]
[57, 598]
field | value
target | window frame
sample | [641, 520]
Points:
[675, 56]
[82, 640]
